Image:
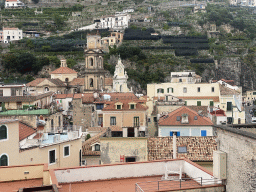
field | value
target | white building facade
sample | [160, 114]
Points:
[120, 78]
[13, 4]
[12, 34]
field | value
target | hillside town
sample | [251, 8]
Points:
[89, 126]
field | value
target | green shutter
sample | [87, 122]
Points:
[3, 132]
[198, 103]
[162, 90]
[211, 103]
[157, 90]
[167, 90]
[229, 106]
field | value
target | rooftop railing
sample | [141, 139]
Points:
[183, 183]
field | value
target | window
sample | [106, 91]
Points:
[182, 149]
[198, 103]
[229, 106]
[170, 90]
[132, 106]
[4, 160]
[91, 61]
[3, 132]
[130, 159]
[178, 118]
[195, 118]
[230, 120]
[136, 121]
[100, 121]
[52, 157]
[66, 151]
[254, 93]
[177, 133]
[180, 80]
[1, 93]
[198, 89]
[66, 80]
[91, 82]
[160, 90]
[149, 119]
[212, 89]
[211, 103]
[185, 103]
[112, 120]
[97, 147]
[155, 119]
[99, 106]
[184, 89]
[118, 107]
[46, 88]
[203, 133]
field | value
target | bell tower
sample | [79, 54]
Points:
[94, 70]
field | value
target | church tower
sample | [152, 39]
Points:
[94, 70]
[120, 78]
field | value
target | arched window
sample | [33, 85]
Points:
[3, 132]
[91, 61]
[66, 80]
[91, 82]
[3, 160]
[101, 82]
[46, 89]
[121, 88]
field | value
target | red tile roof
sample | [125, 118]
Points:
[198, 148]
[37, 81]
[170, 119]
[214, 98]
[227, 91]
[25, 131]
[218, 112]
[125, 106]
[63, 96]
[63, 70]
[77, 81]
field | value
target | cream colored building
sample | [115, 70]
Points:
[250, 96]
[22, 145]
[11, 90]
[64, 73]
[12, 34]
[185, 77]
[120, 78]
[120, 149]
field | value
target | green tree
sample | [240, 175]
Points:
[30, 44]
[71, 63]
[29, 78]
[59, 21]
[54, 60]
[10, 62]
[26, 63]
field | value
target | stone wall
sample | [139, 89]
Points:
[82, 114]
[241, 159]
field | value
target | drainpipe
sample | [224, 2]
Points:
[174, 145]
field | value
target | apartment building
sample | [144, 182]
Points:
[21, 144]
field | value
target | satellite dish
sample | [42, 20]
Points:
[238, 104]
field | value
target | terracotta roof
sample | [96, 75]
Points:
[25, 131]
[95, 129]
[170, 119]
[9, 28]
[24, 98]
[198, 148]
[63, 96]
[87, 148]
[227, 91]
[63, 70]
[214, 98]
[218, 112]
[116, 128]
[77, 81]
[201, 109]
[125, 106]
[37, 81]
[109, 81]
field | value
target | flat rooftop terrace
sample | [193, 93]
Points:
[26, 112]
[16, 185]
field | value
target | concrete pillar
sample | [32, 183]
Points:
[174, 146]
[124, 132]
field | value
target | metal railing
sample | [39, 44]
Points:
[175, 184]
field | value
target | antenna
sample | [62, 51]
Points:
[238, 104]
